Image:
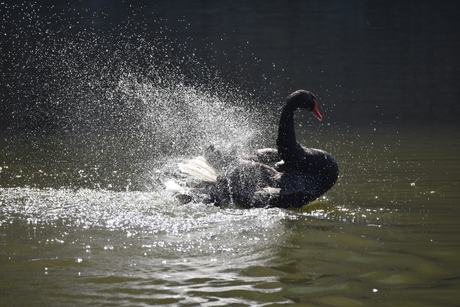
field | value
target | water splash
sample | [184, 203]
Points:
[143, 217]
[123, 104]
[184, 119]
[122, 101]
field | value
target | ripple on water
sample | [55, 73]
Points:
[127, 248]
[160, 223]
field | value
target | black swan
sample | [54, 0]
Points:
[291, 176]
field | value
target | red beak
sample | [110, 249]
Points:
[316, 112]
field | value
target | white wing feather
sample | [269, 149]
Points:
[199, 168]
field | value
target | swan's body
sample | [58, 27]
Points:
[290, 176]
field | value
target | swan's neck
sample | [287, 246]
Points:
[286, 141]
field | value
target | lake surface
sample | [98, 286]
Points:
[387, 233]
[103, 100]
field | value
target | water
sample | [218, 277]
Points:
[103, 114]
[385, 234]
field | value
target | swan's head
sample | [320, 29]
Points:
[306, 100]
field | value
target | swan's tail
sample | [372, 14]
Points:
[199, 168]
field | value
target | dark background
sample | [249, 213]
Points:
[372, 63]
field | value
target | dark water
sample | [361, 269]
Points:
[101, 100]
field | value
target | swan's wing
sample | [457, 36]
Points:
[267, 156]
[218, 159]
